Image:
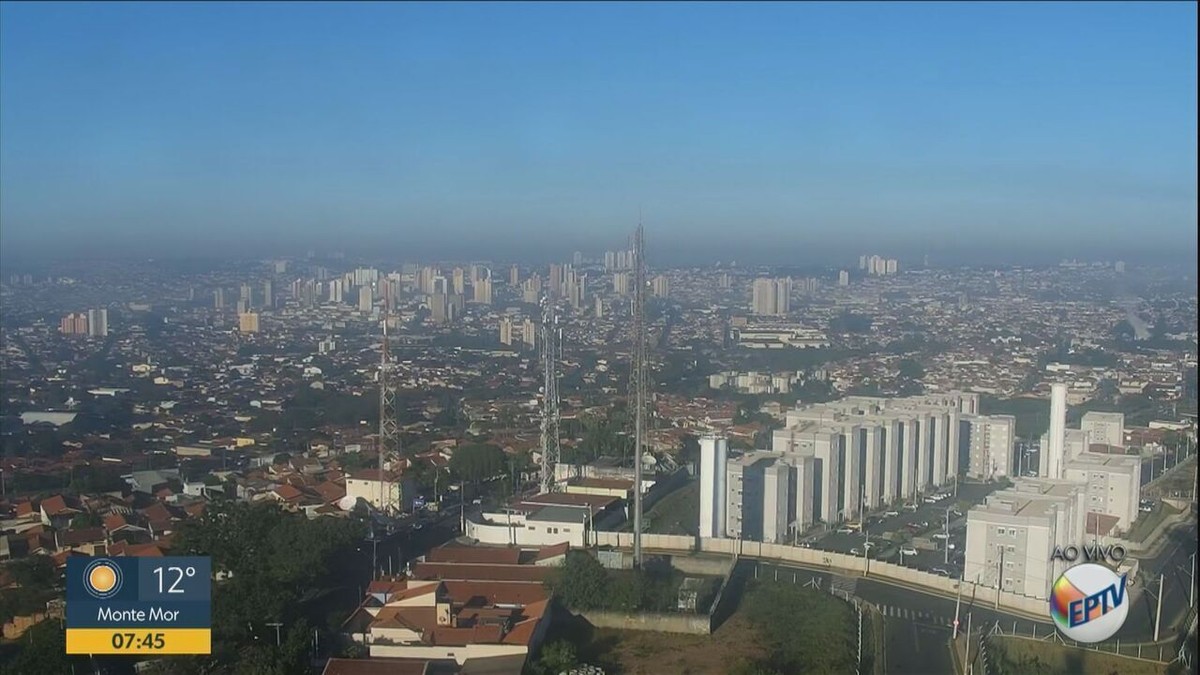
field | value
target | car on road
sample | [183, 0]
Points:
[908, 550]
[477, 501]
[845, 530]
[940, 572]
[891, 514]
[911, 508]
[1145, 509]
[941, 535]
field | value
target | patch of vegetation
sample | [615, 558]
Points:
[582, 584]
[806, 630]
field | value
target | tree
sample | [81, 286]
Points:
[476, 462]
[912, 370]
[84, 520]
[581, 583]
[556, 657]
[42, 652]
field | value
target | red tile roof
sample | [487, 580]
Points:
[474, 554]
[467, 572]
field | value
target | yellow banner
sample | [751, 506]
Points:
[139, 641]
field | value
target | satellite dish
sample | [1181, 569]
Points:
[347, 503]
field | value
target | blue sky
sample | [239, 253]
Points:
[785, 132]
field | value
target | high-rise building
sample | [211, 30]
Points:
[74, 324]
[1119, 267]
[243, 306]
[366, 299]
[531, 290]
[843, 278]
[438, 308]
[660, 286]
[714, 454]
[335, 290]
[425, 280]
[529, 333]
[599, 308]
[459, 280]
[892, 266]
[219, 298]
[556, 280]
[621, 283]
[724, 280]
[248, 322]
[989, 440]
[762, 301]
[97, 322]
[482, 288]
[577, 258]
[610, 261]
[506, 330]
[514, 276]
[268, 296]
[247, 295]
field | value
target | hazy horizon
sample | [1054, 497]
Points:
[767, 134]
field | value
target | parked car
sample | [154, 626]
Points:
[908, 550]
[855, 551]
[1145, 509]
[891, 514]
[940, 572]
[941, 535]
[911, 508]
[845, 530]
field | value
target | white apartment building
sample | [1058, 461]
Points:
[989, 440]
[1011, 537]
[1104, 428]
[1113, 485]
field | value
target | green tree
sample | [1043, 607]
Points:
[556, 657]
[478, 461]
[581, 583]
[911, 369]
[42, 651]
[86, 519]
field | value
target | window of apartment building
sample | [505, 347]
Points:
[532, 528]
[1008, 581]
[1010, 548]
[999, 530]
[1008, 564]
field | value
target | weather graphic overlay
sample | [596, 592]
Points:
[139, 605]
[1089, 602]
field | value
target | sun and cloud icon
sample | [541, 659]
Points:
[102, 578]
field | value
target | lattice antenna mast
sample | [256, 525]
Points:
[640, 388]
[389, 425]
[551, 348]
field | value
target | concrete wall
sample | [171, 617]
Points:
[840, 561]
[691, 624]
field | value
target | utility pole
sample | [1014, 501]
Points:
[946, 541]
[957, 601]
[639, 380]
[1192, 584]
[967, 656]
[999, 575]
[1158, 611]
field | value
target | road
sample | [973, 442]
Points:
[918, 625]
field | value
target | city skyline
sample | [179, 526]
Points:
[772, 133]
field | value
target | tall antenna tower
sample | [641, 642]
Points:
[639, 387]
[551, 346]
[389, 425]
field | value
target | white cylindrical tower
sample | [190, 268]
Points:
[1057, 436]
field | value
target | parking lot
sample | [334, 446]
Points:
[884, 528]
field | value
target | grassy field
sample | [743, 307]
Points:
[678, 512]
[1017, 656]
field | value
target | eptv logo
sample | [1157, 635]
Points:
[1089, 602]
